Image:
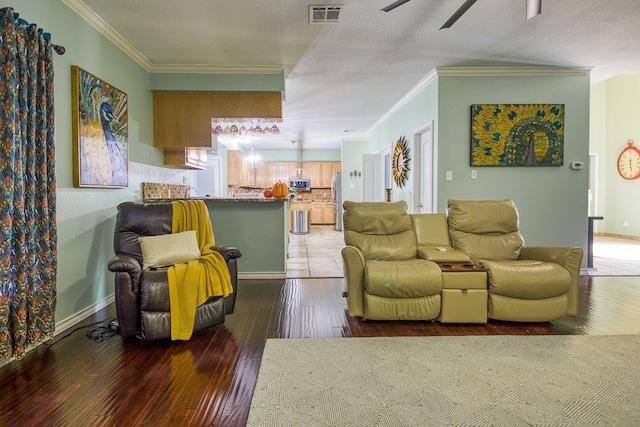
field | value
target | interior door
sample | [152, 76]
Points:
[425, 185]
[371, 178]
[385, 155]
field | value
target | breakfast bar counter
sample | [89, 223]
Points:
[257, 226]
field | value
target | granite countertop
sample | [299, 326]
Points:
[219, 199]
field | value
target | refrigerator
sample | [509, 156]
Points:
[336, 193]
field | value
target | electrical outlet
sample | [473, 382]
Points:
[625, 223]
[184, 179]
[449, 176]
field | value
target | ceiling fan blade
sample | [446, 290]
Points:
[467, 4]
[534, 8]
[394, 5]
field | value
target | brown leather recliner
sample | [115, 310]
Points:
[142, 296]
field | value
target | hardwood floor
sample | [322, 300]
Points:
[209, 380]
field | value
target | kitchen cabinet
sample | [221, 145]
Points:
[316, 213]
[189, 157]
[264, 175]
[322, 212]
[313, 170]
[321, 173]
[183, 119]
[235, 167]
[335, 168]
[328, 212]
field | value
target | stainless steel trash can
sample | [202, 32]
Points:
[300, 222]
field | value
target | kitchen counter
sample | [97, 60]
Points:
[219, 199]
[258, 226]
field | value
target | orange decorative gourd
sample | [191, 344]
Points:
[280, 190]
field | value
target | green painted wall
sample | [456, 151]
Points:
[218, 82]
[597, 147]
[621, 197]
[352, 151]
[86, 216]
[305, 155]
[247, 225]
[552, 201]
[419, 111]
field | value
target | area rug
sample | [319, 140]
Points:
[453, 381]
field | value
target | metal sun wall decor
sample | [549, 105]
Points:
[517, 134]
[400, 162]
[100, 132]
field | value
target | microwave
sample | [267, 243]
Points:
[300, 184]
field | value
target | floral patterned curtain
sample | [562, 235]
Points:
[28, 237]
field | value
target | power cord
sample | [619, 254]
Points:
[103, 331]
[98, 332]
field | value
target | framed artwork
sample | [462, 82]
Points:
[517, 134]
[100, 132]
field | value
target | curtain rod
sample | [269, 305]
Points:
[60, 50]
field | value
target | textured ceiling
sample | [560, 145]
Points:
[344, 77]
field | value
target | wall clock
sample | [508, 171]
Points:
[629, 162]
[400, 162]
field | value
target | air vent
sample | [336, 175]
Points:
[329, 14]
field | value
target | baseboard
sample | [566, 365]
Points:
[619, 236]
[68, 323]
[262, 275]
[73, 320]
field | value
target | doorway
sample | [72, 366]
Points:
[425, 173]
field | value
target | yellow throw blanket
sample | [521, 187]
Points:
[192, 283]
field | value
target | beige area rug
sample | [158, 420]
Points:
[454, 381]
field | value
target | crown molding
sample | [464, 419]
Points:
[217, 69]
[479, 72]
[106, 30]
[405, 99]
[511, 71]
[79, 7]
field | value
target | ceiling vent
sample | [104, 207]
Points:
[328, 14]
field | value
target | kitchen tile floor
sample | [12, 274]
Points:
[316, 254]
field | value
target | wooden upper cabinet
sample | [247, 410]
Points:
[336, 167]
[234, 167]
[189, 158]
[326, 174]
[183, 119]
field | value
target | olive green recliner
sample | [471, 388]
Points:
[530, 284]
[385, 279]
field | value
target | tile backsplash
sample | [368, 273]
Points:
[154, 190]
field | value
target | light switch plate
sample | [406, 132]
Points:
[474, 174]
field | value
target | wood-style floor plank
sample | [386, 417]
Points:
[209, 380]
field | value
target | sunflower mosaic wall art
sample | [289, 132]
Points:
[517, 134]
[400, 162]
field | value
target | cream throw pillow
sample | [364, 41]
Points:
[168, 249]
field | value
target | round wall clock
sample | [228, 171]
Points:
[400, 162]
[629, 162]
